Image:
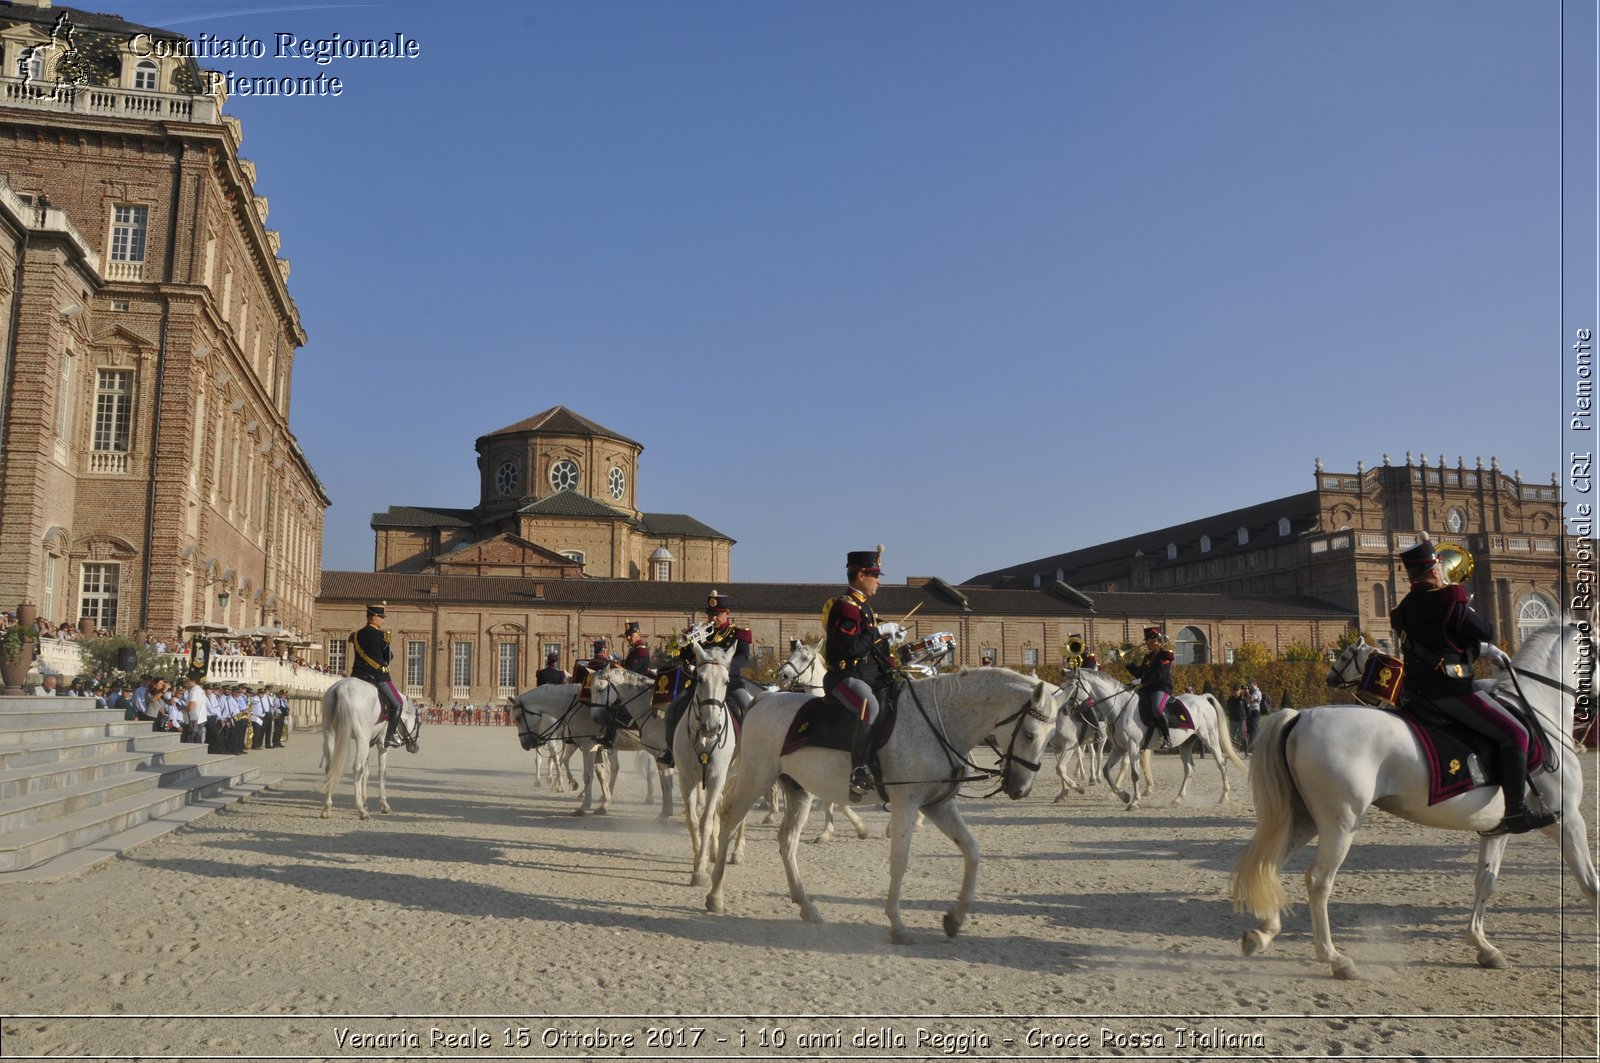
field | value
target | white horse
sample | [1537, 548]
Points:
[631, 694]
[1120, 704]
[1315, 772]
[350, 711]
[1079, 733]
[803, 673]
[703, 749]
[924, 764]
[555, 714]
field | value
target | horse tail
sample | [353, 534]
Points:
[335, 714]
[1257, 880]
[1224, 734]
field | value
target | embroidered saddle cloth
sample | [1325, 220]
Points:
[1178, 718]
[1458, 758]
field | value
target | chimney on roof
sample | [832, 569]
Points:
[918, 581]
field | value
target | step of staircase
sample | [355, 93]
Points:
[79, 785]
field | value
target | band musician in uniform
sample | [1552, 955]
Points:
[724, 633]
[860, 661]
[1154, 673]
[638, 658]
[1441, 636]
[372, 655]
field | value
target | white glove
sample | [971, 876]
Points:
[893, 632]
[1495, 654]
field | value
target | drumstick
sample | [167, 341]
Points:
[914, 608]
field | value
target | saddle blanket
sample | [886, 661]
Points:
[1178, 718]
[1458, 758]
[823, 723]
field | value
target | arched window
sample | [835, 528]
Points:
[1172, 551]
[1283, 525]
[145, 75]
[1244, 535]
[1190, 646]
[1205, 544]
[1534, 611]
[1380, 601]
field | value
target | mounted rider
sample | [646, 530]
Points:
[722, 633]
[638, 658]
[608, 717]
[551, 673]
[1154, 673]
[372, 654]
[860, 660]
[1440, 636]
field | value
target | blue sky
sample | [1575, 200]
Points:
[982, 282]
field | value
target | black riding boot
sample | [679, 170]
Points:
[1519, 819]
[674, 717]
[389, 739]
[861, 780]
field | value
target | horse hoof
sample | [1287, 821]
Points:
[810, 914]
[580, 812]
[364, 814]
[736, 857]
[600, 812]
[326, 814]
[713, 904]
[1253, 942]
[952, 924]
[1345, 968]
[1492, 958]
[899, 937]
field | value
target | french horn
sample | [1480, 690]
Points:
[1455, 561]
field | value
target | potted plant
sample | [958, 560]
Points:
[17, 644]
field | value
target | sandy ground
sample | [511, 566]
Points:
[482, 920]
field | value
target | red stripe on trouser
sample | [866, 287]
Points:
[852, 700]
[1488, 718]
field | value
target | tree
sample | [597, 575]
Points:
[100, 658]
[1251, 656]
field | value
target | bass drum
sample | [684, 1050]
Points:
[1381, 681]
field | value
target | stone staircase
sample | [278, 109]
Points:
[79, 785]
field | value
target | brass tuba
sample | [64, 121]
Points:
[1455, 561]
[1075, 651]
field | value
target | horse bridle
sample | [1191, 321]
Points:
[794, 686]
[540, 738]
[410, 737]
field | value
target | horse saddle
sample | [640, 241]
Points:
[1458, 758]
[1178, 718]
[823, 723]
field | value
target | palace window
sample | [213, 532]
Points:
[461, 664]
[98, 594]
[338, 664]
[1190, 646]
[416, 664]
[1533, 612]
[555, 648]
[1030, 656]
[145, 75]
[128, 227]
[506, 668]
[113, 410]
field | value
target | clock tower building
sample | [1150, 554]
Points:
[557, 498]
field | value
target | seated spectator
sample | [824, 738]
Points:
[47, 686]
